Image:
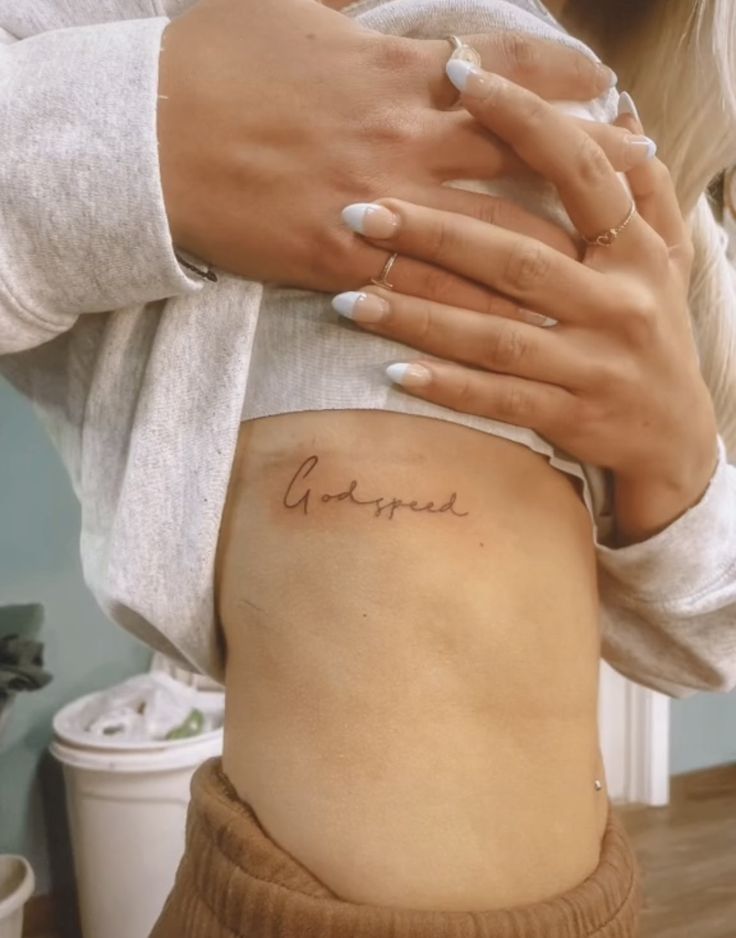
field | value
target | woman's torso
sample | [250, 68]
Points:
[412, 700]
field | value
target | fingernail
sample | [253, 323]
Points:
[466, 77]
[640, 149]
[626, 106]
[409, 375]
[609, 75]
[362, 307]
[370, 219]
[536, 319]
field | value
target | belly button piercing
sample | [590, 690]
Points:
[597, 784]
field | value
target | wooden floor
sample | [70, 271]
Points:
[687, 852]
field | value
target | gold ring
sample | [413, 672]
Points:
[382, 280]
[461, 50]
[607, 237]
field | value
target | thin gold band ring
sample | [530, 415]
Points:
[382, 280]
[607, 237]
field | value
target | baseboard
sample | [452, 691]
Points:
[704, 783]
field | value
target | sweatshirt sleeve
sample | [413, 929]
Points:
[40, 16]
[669, 603]
[83, 226]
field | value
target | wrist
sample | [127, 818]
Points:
[646, 503]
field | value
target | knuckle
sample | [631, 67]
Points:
[330, 255]
[583, 69]
[591, 164]
[463, 397]
[521, 52]
[686, 249]
[658, 254]
[433, 283]
[498, 212]
[527, 268]
[438, 241]
[397, 55]
[389, 127]
[640, 319]
[507, 349]
[534, 111]
[513, 403]
[423, 324]
[660, 174]
[489, 210]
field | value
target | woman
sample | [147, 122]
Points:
[352, 541]
[410, 607]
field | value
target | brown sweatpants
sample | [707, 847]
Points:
[235, 882]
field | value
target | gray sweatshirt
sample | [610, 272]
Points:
[138, 367]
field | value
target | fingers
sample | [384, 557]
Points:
[482, 340]
[541, 407]
[457, 147]
[548, 68]
[501, 212]
[461, 148]
[553, 145]
[426, 281]
[534, 275]
[624, 149]
[656, 200]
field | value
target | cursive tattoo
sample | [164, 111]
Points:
[297, 496]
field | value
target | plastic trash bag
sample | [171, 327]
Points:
[147, 707]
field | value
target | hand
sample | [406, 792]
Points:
[274, 115]
[616, 383]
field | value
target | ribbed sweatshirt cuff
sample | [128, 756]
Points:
[689, 558]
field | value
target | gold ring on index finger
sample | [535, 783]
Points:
[466, 53]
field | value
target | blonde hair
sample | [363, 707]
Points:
[678, 60]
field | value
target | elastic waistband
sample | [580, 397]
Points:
[235, 882]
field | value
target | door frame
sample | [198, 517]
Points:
[635, 740]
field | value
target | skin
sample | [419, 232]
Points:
[234, 159]
[612, 382]
[405, 715]
[411, 702]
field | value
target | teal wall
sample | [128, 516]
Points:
[702, 732]
[39, 562]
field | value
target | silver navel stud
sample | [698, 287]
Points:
[597, 784]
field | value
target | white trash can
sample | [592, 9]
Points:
[16, 887]
[127, 807]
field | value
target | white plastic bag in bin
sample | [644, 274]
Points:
[151, 707]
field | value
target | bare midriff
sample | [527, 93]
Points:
[411, 618]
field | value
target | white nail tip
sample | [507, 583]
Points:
[397, 371]
[458, 70]
[626, 106]
[344, 303]
[354, 215]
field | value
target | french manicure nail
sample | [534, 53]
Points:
[369, 219]
[640, 149]
[466, 76]
[410, 375]
[362, 307]
[536, 319]
[626, 106]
